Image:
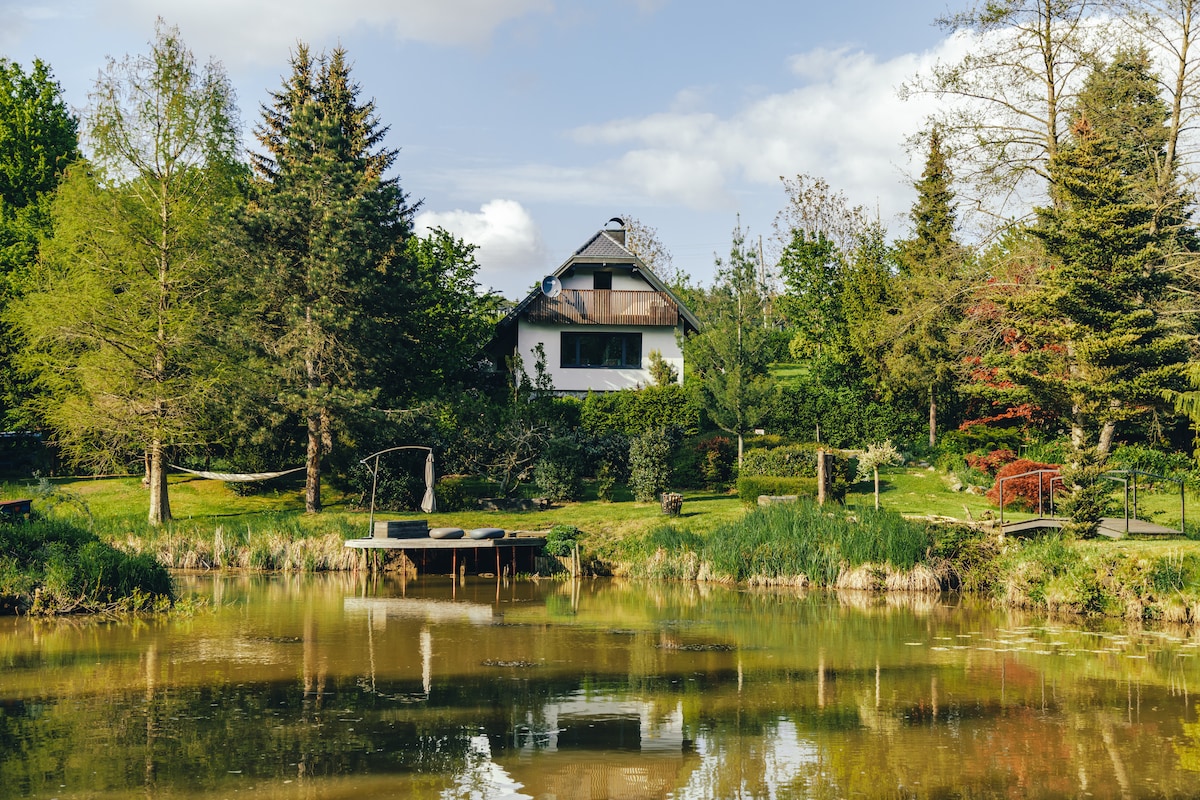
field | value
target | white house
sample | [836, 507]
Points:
[598, 320]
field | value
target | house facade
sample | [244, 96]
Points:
[598, 320]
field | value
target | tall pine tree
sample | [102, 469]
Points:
[327, 231]
[923, 355]
[1097, 352]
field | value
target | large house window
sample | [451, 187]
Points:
[617, 350]
[602, 280]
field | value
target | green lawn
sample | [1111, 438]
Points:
[120, 504]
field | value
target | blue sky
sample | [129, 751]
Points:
[525, 124]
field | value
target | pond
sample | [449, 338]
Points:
[344, 686]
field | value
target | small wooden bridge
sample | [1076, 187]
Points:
[1110, 527]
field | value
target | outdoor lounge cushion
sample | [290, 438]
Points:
[486, 533]
[445, 533]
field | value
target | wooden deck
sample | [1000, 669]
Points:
[510, 543]
[1111, 527]
[411, 537]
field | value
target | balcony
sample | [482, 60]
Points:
[605, 307]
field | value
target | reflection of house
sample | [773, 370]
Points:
[586, 747]
[599, 320]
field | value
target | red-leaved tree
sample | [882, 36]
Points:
[1023, 492]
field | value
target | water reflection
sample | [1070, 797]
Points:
[431, 688]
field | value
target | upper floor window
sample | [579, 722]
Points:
[602, 280]
[613, 350]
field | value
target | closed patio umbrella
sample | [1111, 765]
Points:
[429, 502]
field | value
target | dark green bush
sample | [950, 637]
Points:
[650, 464]
[982, 438]
[705, 462]
[559, 472]
[561, 540]
[606, 484]
[749, 487]
[49, 567]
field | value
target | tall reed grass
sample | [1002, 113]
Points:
[794, 543]
[284, 542]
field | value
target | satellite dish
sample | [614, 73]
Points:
[551, 286]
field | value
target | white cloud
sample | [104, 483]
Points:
[511, 252]
[259, 32]
[843, 121]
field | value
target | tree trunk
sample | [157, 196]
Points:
[1104, 444]
[932, 419]
[160, 504]
[740, 450]
[876, 488]
[312, 464]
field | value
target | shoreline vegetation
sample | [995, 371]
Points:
[57, 565]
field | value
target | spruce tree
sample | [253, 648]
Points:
[1095, 350]
[923, 330]
[326, 231]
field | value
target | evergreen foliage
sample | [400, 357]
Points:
[38, 140]
[650, 463]
[326, 232]
[729, 357]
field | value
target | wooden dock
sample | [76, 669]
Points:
[412, 538]
[1110, 527]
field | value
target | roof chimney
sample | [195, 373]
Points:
[616, 229]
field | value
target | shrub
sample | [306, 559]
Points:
[991, 462]
[650, 465]
[789, 461]
[451, 495]
[1023, 492]
[558, 473]
[749, 487]
[561, 540]
[53, 567]
[800, 461]
[635, 411]
[606, 484]
[1147, 459]
[977, 438]
[706, 462]
[1087, 494]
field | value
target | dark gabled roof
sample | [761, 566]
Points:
[603, 248]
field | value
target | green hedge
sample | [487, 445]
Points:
[634, 411]
[789, 461]
[751, 486]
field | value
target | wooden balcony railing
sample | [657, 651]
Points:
[605, 307]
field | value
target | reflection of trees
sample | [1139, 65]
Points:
[783, 693]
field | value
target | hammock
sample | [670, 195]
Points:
[236, 477]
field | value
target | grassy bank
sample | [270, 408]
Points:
[50, 567]
[715, 539]
[848, 548]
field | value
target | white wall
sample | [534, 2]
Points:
[623, 279]
[598, 379]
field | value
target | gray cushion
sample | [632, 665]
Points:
[486, 533]
[445, 533]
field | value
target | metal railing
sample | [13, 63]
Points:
[1127, 477]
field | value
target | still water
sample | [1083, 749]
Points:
[342, 686]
